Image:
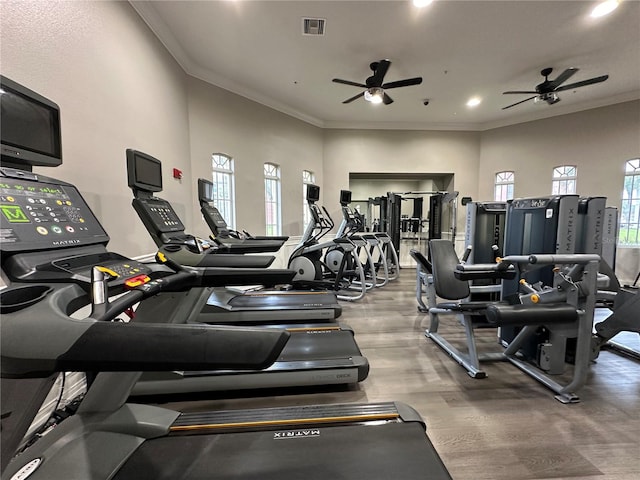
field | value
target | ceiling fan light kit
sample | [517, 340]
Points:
[549, 98]
[547, 91]
[374, 95]
[374, 88]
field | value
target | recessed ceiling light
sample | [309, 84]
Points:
[604, 8]
[421, 3]
[474, 102]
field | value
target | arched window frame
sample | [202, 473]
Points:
[503, 186]
[564, 180]
[629, 229]
[272, 202]
[223, 178]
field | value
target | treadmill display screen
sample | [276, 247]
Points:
[30, 133]
[144, 172]
[205, 190]
[36, 216]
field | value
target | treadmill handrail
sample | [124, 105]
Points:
[42, 338]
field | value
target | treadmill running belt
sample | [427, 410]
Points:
[353, 452]
[319, 345]
[292, 298]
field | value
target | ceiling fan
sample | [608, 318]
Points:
[374, 88]
[547, 91]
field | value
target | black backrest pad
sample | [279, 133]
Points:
[444, 260]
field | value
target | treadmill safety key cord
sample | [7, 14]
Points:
[136, 281]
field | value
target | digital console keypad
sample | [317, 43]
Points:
[30, 211]
[166, 215]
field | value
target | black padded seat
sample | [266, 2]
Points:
[522, 315]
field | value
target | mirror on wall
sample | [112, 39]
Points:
[411, 207]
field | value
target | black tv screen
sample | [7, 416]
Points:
[205, 190]
[345, 197]
[313, 193]
[144, 171]
[30, 133]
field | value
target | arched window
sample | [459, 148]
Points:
[503, 187]
[223, 187]
[307, 178]
[629, 233]
[564, 180]
[272, 199]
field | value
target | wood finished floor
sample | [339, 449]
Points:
[506, 426]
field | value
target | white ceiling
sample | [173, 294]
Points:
[461, 49]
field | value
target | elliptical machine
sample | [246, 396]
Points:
[347, 277]
[350, 227]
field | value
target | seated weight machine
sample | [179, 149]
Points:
[564, 309]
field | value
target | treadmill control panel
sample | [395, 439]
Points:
[158, 215]
[214, 220]
[37, 215]
[115, 266]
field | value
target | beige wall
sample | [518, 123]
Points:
[598, 141]
[221, 122]
[117, 87]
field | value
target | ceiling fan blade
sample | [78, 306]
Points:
[563, 77]
[378, 77]
[519, 92]
[403, 83]
[590, 81]
[355, 97]
[518, 103]
[349, 82]
[386, 99]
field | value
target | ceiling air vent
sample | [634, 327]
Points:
[313, 26]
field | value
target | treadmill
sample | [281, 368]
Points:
[55, 261]
[110, 439]
[319, 352]
[231, 239]
[51, 272]
[224, 306]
